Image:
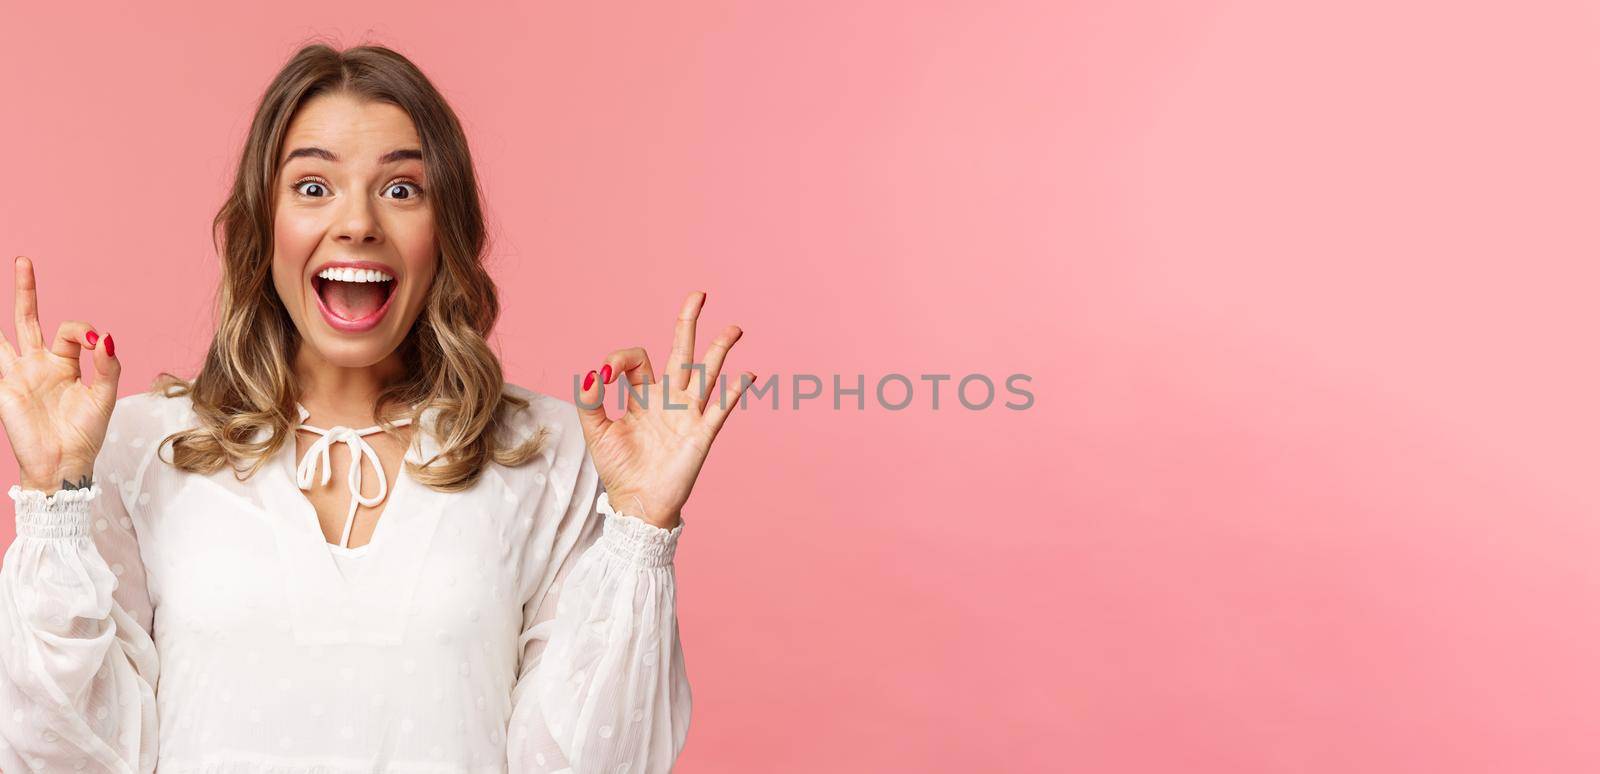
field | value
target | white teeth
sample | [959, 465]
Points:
[354, 275]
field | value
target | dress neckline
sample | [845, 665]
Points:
[373, 605]
[355, 440]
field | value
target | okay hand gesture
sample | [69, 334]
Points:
[649, 457]
[55, 421]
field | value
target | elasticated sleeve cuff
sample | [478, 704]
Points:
[60, 514]
[635, 540]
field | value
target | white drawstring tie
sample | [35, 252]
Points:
[358, 446]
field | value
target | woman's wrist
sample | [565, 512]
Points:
[632, 504]
[72, 477]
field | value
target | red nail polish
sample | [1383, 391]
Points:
[605, 373]
[111, 346]
[588, 381]
[94, 338]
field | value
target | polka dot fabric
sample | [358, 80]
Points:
[203, 624]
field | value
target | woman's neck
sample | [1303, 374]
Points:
[342, 395]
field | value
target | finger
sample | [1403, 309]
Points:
[682, 355]
[715, 354]
[72, 337]
[8, 356]
[633, 361]
[717, 411]
[591, 406]
[107, 371]
[29, 336]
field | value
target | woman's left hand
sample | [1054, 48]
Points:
[649, 458]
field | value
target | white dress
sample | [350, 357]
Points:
[197, 623]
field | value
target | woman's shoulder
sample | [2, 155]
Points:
[541, 410]
[144, 417]
[563, 443]
[139, 423]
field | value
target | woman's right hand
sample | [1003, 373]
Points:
[56, 422]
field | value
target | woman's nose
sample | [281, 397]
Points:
[358, 224]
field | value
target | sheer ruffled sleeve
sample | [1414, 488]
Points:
[602, 685]
[78, 667]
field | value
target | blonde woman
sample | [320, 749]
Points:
[347, 545]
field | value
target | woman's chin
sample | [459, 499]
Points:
[347, 350]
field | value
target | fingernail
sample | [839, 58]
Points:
[605, 373]
[92, 337]
[588, 381]
[111, 346]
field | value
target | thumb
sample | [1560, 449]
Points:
[107, 370]
[590, 401]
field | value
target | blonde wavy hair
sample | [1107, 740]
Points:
[245, 384]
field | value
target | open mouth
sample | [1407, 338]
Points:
[353, 299]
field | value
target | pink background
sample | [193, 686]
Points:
[1307, 295]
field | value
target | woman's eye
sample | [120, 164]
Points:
[399, 190]
[407, 190]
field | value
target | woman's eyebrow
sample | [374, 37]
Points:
[402, 154]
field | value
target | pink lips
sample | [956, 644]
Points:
[355, 326]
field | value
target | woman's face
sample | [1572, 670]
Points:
[352, 194]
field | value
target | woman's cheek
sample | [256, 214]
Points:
[421, 256]
[297, 235]
[292, 247]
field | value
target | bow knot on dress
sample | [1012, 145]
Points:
[358, 446]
